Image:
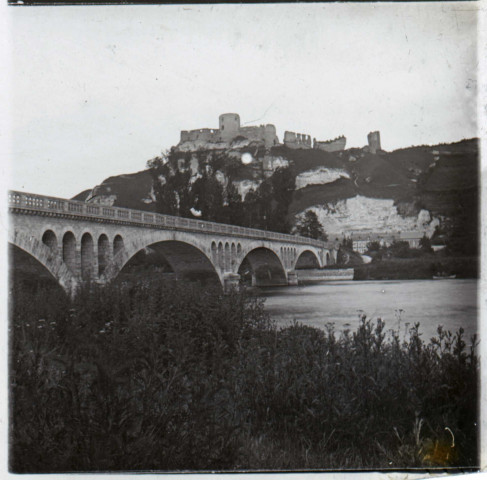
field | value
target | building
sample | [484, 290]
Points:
[373, 139]
[335, 145]
[297, 140]
[361, 240]
[229, 130]
[413, 238]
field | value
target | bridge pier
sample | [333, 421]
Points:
[76, 267]
[231, 282]
[292, 277]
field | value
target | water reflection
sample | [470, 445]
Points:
[451, 303]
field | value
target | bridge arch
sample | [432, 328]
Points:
[233, 257]
[49, 238]
[262, 267]
[28, 274]
[189, 257]
[103, 253]
[117, 244]
[227, 257]
[69, 250]
[221, 262]
[43, 254]
[187, 261]
[307, 259]
[87, 256]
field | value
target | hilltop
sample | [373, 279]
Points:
[351, 190]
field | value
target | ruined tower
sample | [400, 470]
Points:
[229, 124]
[374, 141]
[270, 136]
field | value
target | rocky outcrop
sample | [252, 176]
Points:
[320, 176]
[130, 191]
[244, 187]
[370, 214]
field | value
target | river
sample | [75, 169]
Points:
[451, 303]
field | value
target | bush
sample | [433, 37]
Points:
[425, 244]
[423, 267]
[373, 247]
[400, 248]
[170, 377]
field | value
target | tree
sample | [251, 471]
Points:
[374, 246]
[234, 210]
[283, 182]
[165, 196]
[251, 209]
[309, 226]
[347, 243]
[207, 197]
[264, 205]
[171, 183]
[177, 190]
[180, 184]
[425, 244]
[400, 248]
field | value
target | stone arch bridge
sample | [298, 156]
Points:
[79, 242]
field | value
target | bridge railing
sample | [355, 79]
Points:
[53, 205]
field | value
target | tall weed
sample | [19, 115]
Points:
[173, 377]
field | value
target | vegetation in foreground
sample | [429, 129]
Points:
[172, 377]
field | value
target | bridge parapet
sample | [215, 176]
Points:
[52, 206]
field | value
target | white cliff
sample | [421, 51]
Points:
[320, 176]
[363, 214]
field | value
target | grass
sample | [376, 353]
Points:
[174, 377]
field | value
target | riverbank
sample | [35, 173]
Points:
[418, 268]
[176, 377]
[314, 275]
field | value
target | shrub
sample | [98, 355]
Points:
[400, 248]
[373, 247]
[170, 377]
[425, 244]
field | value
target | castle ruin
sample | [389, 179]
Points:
[335, 145]
[297, 140]
[229, 130]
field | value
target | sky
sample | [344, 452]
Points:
[97, 91]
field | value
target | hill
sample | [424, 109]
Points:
[414, 188]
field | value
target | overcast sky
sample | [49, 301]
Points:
[97, 91]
